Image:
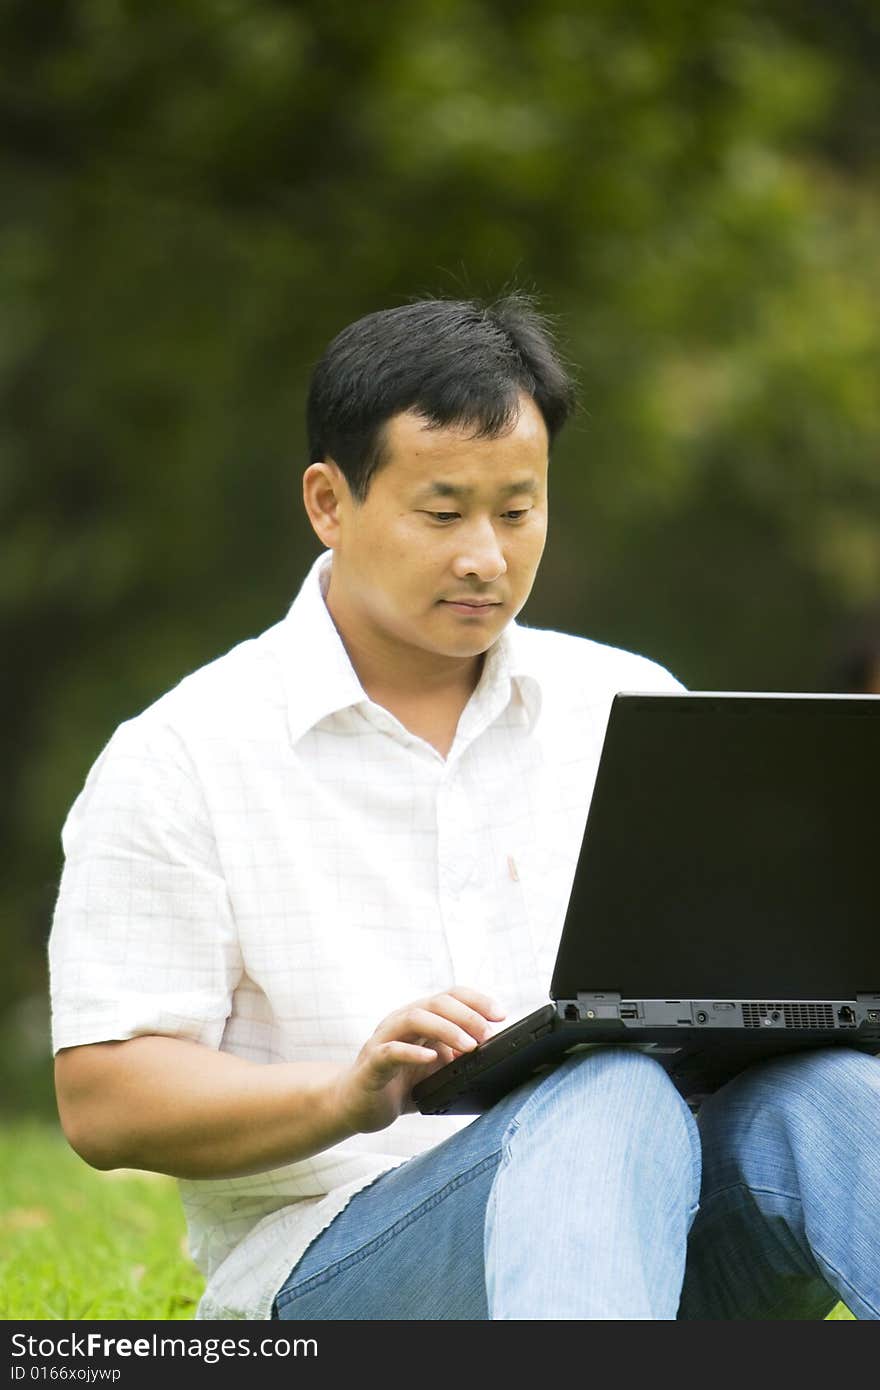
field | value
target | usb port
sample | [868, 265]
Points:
[629, 1011]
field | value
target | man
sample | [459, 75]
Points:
[340, 855]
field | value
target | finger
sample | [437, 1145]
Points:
[387, 1058]
[472, 1020]
[445, 1055]
[481, 1003]
[418, 1022]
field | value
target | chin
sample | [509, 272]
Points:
[466, 650]
[462, 645]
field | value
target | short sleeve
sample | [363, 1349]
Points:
[143, 938]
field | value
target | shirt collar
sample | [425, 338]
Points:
[508, 673]
[320, 680]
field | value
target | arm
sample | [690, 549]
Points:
[178, 1107]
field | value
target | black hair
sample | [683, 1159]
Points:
[455, 362]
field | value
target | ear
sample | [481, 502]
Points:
[324, 489]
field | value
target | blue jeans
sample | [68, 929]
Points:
[577, 1197]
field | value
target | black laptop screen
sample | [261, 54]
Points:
[731, 849]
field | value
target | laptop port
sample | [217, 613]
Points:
[846, 1014]
[629, 1011]
[571, 1013]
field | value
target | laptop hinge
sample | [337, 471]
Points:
[599, 1003]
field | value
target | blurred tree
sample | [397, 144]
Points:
[196, 194]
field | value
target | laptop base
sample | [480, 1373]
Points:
[699, 1057]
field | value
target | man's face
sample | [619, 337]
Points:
[442, 553]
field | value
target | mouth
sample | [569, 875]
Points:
[471, 607]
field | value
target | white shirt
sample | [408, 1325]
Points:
[267, 862]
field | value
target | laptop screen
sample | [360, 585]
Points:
[731, 849]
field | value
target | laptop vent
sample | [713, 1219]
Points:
[792, 1015]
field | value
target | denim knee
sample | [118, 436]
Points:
[781, 1124]
[622, 1070]
[620, 1090]
[814, 1085]
[835, 1075]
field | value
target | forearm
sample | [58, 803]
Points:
[176, 1107]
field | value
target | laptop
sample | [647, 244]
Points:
[725, 903]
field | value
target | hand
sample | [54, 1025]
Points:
[408, 1045]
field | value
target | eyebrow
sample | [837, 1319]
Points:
[438, 489]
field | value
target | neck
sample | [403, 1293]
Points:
[407, 674]
[426, 691]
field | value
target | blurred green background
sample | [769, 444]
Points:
[195, 195]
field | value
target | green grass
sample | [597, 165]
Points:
[77, 1244]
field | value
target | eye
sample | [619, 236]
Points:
[444, 517]
[517, 515]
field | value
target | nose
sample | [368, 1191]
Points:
[480, 555]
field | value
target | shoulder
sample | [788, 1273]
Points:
[158, 765]
[237, 698]
[239, 688]
[577, 667]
